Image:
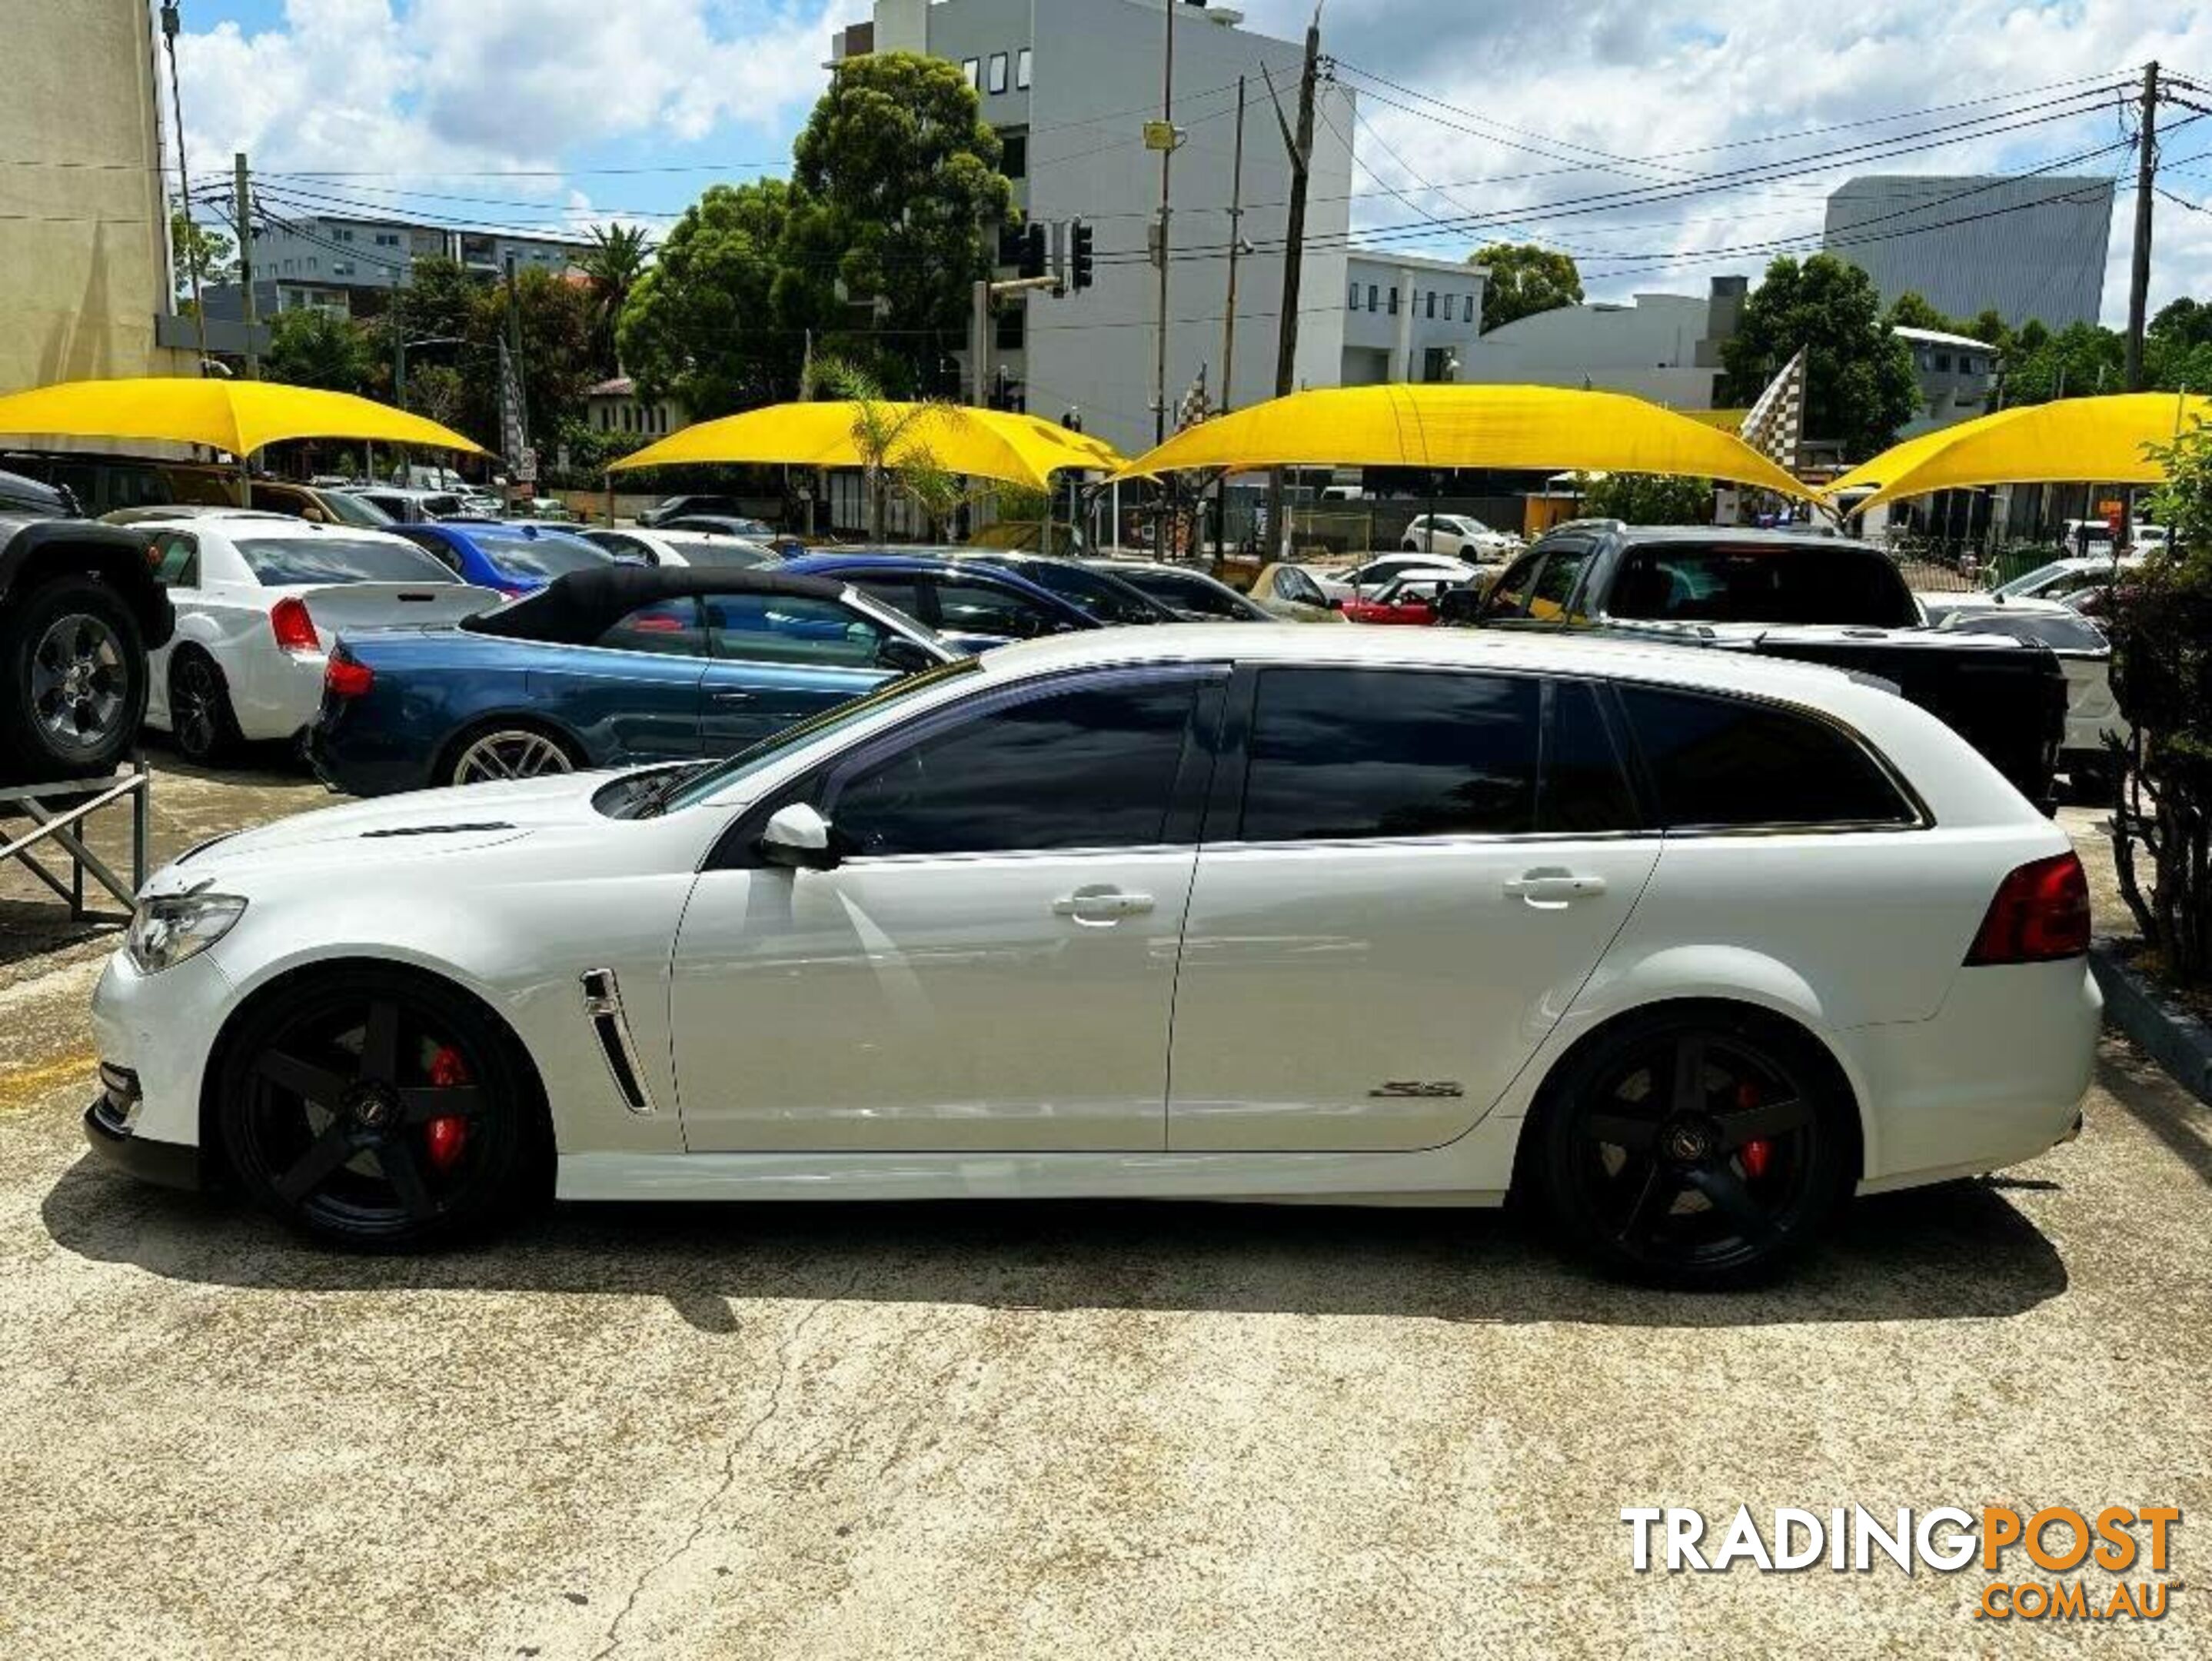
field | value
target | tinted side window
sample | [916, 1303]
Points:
[1582, 788]
[1341, 754]
[1508, 595]
[1555, 583]
[666, 625]
[791, 629]
[901, 593]
[974, 608]
[1720, 762]
[1088, 769]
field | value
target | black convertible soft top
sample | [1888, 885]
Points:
[577, 608]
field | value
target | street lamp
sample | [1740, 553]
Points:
[399, 351]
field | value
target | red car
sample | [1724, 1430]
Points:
[1410, 601]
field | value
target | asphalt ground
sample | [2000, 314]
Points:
[1043, 1430]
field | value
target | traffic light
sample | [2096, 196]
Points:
[1033, 249]
[1081, 260]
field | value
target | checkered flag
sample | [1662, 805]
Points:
[1775, 425]
[1192, 408]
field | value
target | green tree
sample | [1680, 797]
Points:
[445, 301]
[2080, 361]
[1523, 279]
[613, 265]
[1859, 383]
[1648, 498]
[895, 193]
[703, 326]
[1911, 310]
[194, 247]
[309, 347]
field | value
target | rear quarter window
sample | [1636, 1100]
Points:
[1718, 763]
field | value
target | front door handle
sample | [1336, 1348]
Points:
[733, 697]
[1100, 906]
[1549, 888]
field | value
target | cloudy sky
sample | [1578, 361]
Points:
[536, 112]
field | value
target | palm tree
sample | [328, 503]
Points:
[613, 264]
[881, 428]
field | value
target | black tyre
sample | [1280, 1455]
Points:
[508, 750]
[376, 1110]
[201, 718]
[1409, 546]
[73, 680]
[1698, 1149]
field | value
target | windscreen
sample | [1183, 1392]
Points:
[308, 561]
[1108, 598]
[1762, 582]
[542, 554]
[352, 510]
[729, 556]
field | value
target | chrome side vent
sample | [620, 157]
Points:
[603, 1005]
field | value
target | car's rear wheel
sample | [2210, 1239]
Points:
[73, 681]
[200, 718]
[374, 1109]
[510, 753]
[1698, 1149]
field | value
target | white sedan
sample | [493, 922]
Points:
[1459, 536]
[258, 599]
[1365, 579]
[678, 548]
[1689, 946]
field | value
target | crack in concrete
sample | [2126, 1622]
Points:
[612, 1640]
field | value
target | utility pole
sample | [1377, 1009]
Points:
[979, 347]
[1229, 317]
[1294, 244]
[515, 368]
[2146, 172]
[241, 185]
[1160, 254]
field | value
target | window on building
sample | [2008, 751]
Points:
[1355, 297]
[1371, 296]
[387, 239]
[1943, 363]
[1014, 155]
[996, 83]
[1394, 299]
[972, 68]
[1429, 308]
[342, 234]
[1013, 328]
[1437, 363]
[1022, 68]
[1470, 309]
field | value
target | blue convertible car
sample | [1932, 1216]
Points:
[602, 668]
[508, 555]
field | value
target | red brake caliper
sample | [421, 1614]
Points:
[446, 1132]
[1758, 1151]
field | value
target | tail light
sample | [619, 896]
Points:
[294, 629]
[2041, 913]
[344, 678]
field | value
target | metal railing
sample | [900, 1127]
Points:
[54, 827]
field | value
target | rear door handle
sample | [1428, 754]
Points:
[1101, 906]
[1551, 888]
[733, 697]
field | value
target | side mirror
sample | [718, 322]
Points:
[907, 656]
[798, 837]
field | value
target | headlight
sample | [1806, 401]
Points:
[171, 927]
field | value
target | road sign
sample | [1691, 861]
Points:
[1162, 135]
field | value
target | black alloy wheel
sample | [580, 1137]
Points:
[201, 718]
[1698, 1152]
[379, 1112]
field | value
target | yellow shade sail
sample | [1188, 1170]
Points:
[2098, 441]
[1020, 449]
[237, 416]
[1538, 428]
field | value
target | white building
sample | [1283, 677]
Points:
[2029, 245]
[1957, 378]
[1409, 319]
[1069, 85]
[1662, 347]
[322, 254]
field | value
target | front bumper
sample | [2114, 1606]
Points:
[110, 1128]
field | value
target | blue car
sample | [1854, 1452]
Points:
[512, 556]
[972, 604]
[608, 667]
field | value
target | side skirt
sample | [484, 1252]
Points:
[1474, 1170]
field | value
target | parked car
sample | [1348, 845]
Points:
[411, 507]
[1191, 594]
[512, 556]
[101, 484]
[1004, 928]
[79, 613]
[258, 601]
[2086, 655]
[1101, 594]
[1374, 573]
[713, 507]
[1406, 601]
[1773, 594]
[1290, 591]
[661, 547]
[548, 510]
[1459, 536]
[614, 665]
[972, 605]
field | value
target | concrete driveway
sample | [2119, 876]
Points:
[1063, 1430]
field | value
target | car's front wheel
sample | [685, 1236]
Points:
[1698, 1148]
[73, 680]
[376, 1110]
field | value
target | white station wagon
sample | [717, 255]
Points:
[1689, 947]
